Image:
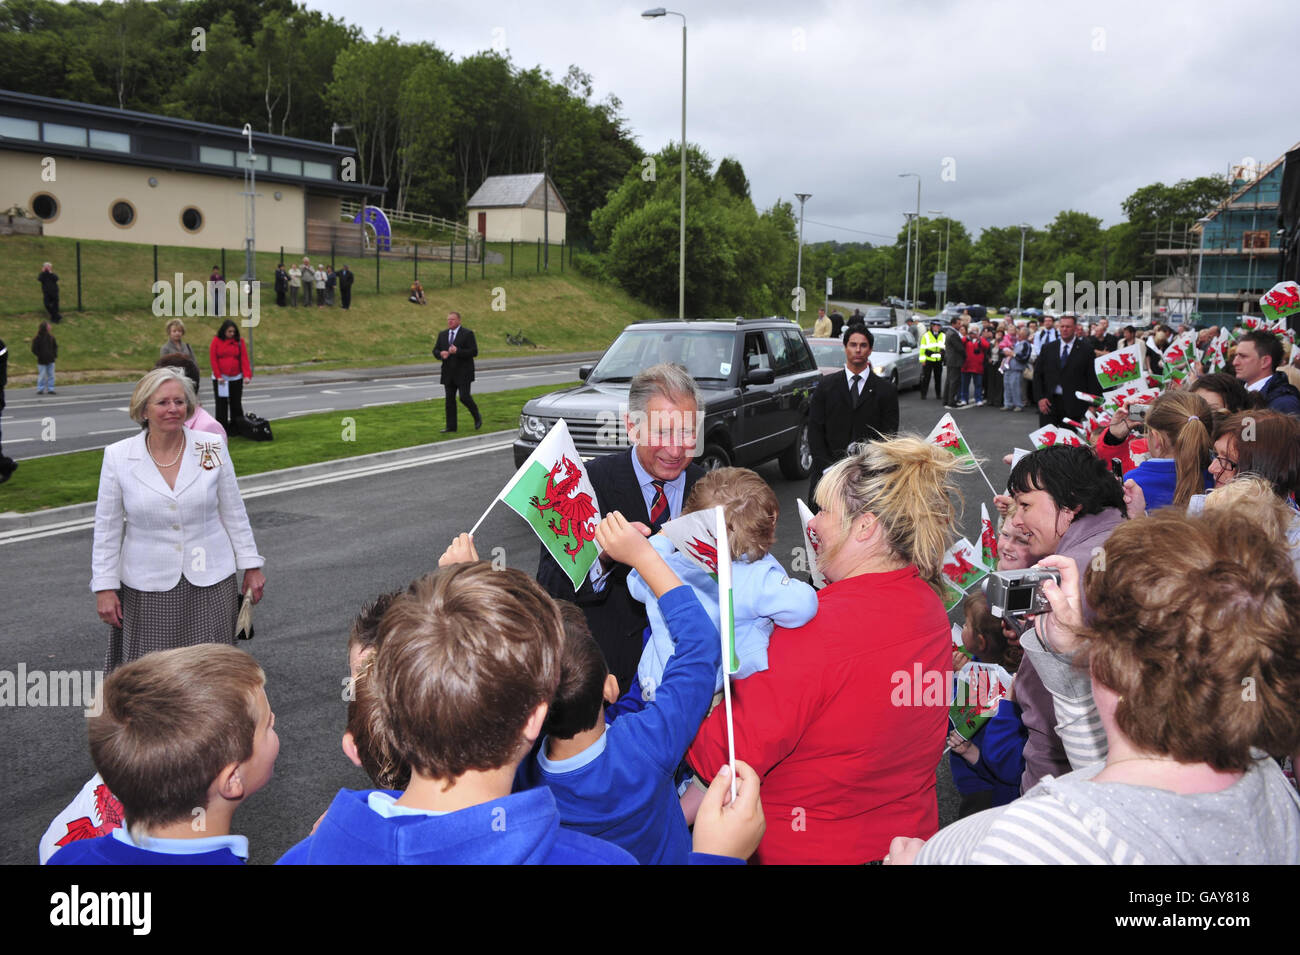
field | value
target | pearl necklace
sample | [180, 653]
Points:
[159, 463]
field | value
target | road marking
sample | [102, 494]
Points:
[18, 440]
[326, 391]
[379, 404]
[114, 431]
[290, 484]
[293, 414]
[127, 410]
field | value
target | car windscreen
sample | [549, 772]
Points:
[827, 354]
[878, 314]
[707, 355]
[885, 342]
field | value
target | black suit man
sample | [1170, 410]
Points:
[1064, 366]
[849, 406]
[456, 349]
[648, 483]
[345, 285]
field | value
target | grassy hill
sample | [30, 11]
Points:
[118, 335]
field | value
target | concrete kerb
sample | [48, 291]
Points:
[253, 485]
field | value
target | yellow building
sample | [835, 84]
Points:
[519, 208]
[95, 172]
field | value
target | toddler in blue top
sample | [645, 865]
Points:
[184, 736]
[763, 594]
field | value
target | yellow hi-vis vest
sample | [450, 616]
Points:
[931, 347]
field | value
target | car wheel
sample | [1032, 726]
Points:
[796, 460]
[714, 457]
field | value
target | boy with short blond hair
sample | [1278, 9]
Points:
[184, 737]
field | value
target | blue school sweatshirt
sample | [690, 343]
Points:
[1158, 479]
[1001, 743]
[117, 848]
[621, 787]
[523, 828]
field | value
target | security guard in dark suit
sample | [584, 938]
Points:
[456, 348]
[849, 407]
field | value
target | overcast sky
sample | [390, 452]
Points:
[1030, 107]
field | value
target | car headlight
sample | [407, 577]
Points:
[532, 427]
[879, 370]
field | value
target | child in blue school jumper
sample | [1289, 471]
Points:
[209, 701]
[763, 594]
[615, 781]
[986, 769]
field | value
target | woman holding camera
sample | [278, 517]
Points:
[1187, 777]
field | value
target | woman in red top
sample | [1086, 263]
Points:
[847, 724]
[972, 370]
[230, 369]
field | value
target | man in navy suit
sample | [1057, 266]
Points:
[1064, 366]
[849, 407]
[648, 484]
[456, 349]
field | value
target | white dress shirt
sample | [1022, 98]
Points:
[148, 535]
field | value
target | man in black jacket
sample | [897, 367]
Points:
[848, 407]
[7, 465]
[648, 483]
[50, 291]
[1064, 366]
[954, 356]
[281, 284]
[345, 285]
[456, 349]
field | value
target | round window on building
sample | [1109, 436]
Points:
[45, 206]
[192, 219]
[122, 213]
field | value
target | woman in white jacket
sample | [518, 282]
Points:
[170, 530]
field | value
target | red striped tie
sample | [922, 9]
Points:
[659, 506]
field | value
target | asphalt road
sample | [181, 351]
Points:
[78, 417]
[329, 549]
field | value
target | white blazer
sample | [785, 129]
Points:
[147, 535]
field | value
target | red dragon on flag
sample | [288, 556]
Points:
[1119, 367]
[575, 510]
[959, 568]
[110, 813]
[704, 552]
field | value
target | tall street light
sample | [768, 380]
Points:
[947, 246]
[798, 271]
[681, 252]
[1200, 259]
[904, 175]
[1020, 282]
[907, 261]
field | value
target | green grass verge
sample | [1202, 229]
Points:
[73, 478]
[117, 336]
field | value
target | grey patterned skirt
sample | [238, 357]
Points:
[163, 620]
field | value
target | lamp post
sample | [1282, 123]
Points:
[907, 261]
[904, 175]
[681, 252]
[798, 270]
[1200, 259]
[1020, 282]
[335, 129]
[947, 244]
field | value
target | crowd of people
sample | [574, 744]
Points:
[1148, 716]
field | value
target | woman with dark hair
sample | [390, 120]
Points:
[46, 350]
[230, 369]
[841, 725]
[1223, 392]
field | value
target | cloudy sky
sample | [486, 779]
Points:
[1010, 110]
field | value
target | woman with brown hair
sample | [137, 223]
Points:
[848, 722]
[1178, 437]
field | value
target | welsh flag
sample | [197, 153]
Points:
[1120, 367]
[957, 639]
[696, 536]
[988, 538]
[1281, 300]
[552, 492]
[1181, 350]
[810, 543]
[980, 688]
[962, 565]
[948, 436]
[1253, 323]
[1095, 400]
[1217, 352]
[727, 631]
[1050, 435]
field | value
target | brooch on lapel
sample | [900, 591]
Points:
[208, 458]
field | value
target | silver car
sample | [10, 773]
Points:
[893, 356]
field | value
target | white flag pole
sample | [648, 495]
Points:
[724, 629]
[984, 476]
[485, 514]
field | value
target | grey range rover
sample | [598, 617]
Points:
[756, 377]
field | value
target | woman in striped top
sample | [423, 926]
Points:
[1195, 661]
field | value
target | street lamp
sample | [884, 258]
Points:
[681, 252]
[1020, 282]
[798, 271]
[947, 245]
[1200, 259]
[907, 261]
[904, 175]
[335, 129]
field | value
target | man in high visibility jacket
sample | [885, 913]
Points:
[932, 359]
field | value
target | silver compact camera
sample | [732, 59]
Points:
[1015, 593]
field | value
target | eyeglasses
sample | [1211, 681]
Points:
[1224, 462]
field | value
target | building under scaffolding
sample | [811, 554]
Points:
[1216, 270]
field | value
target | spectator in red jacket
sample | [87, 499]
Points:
[230, 369]
[977, 348]
[848, 722]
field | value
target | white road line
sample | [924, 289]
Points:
[128, 410]
[377, 404]
[326, 391]
[291, 484]
[17, 440]
[293, 414]
[114, 431]
[385, 388]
